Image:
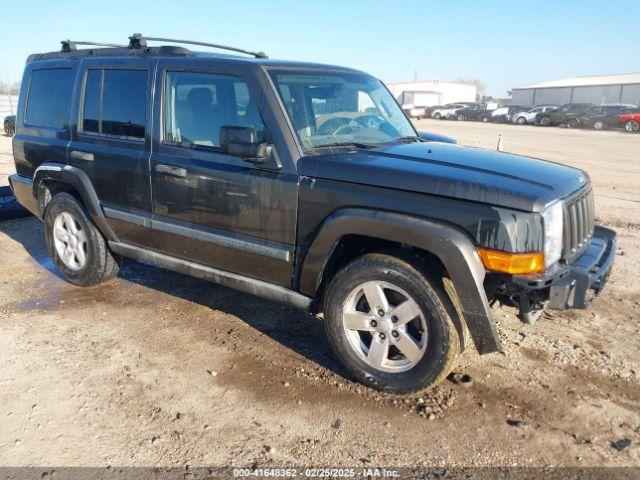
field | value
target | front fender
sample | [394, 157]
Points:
[81, 183]
[453, 247]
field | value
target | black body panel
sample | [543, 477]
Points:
[452, 171]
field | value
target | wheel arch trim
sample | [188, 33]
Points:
[453, 248]
[81, 183]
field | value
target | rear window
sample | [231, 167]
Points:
[115, 103]
[48, 98]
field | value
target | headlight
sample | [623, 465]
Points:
[553, 219]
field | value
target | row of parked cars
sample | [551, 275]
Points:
[572, 115]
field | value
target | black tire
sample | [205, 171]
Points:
[101, 265]
[437, 116]
[485, 119]
[427, 288]
[632, 126]
[521, 121]
[545, 121]
[572, 123]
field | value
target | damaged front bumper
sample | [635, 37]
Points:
[569, 285]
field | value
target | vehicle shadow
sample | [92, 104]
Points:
[292, 328]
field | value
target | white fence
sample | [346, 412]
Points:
[8, 105]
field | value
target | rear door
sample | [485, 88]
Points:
[111, 141]
[208, 206]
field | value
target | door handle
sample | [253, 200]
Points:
[169, 170]
[77, 154]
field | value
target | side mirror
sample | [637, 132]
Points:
[243, 142]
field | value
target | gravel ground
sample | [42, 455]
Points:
[158, 369]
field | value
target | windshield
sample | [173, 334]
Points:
[329, 108]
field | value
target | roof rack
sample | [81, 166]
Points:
[70, 45]
[138, 41]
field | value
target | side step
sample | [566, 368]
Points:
[250, 285]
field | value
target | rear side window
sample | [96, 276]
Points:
[48, 98]
[115, 103]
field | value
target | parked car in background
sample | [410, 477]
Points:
[560, 115]
[10, 125]
[447, 111]
[631, 121]
[470, 112]
[503, 114]
[531, 116]
[413, 111]
[601, 117]
[515, 110]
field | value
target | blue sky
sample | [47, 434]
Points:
[501, 43]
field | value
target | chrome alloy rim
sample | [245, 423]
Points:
[384, 326]
[70, 241]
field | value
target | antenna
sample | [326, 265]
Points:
[138, 41]
[71, 45]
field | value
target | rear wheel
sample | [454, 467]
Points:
[545, 121]
[390, 323]
[76, 246]
[632, 126]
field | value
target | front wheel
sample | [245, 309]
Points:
[390, 323]
[76, 246]
[437, 116]
[521, 121]
[572, 123]
[599, 125]
[632, 126]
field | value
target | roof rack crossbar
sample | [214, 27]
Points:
[69, 45]
[137, 40]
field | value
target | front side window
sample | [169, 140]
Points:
[48, 98]
[115, 103]
[198, 104]
[326, 108]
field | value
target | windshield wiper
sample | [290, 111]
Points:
[409, 139]
[346, 144]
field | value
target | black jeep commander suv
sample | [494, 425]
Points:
[304, 184]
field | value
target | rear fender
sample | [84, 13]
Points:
[81, 183]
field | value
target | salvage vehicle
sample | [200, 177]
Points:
[300, 183]
[631, 121]
[600, 117]
[470, 112]
[447, 111]
[9, 125]
[531, 116]
[563, 115]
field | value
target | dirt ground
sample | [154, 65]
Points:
[158, 369]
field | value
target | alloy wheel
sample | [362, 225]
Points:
[632, 126]
[70, 241]
[384, 326]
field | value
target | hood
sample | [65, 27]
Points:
[448, 170]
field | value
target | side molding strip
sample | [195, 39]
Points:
[250, 285]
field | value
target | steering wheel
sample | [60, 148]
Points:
[370, 121]
[334, 125]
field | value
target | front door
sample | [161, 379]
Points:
[208, 206]
[111, 142]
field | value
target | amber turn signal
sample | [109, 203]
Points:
[513, 263]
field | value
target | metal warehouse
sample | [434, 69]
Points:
[598, 89]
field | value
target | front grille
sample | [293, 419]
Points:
[579, 219]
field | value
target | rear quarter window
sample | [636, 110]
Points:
[48, 98]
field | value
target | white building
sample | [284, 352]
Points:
[433, 92]
[597, 89]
